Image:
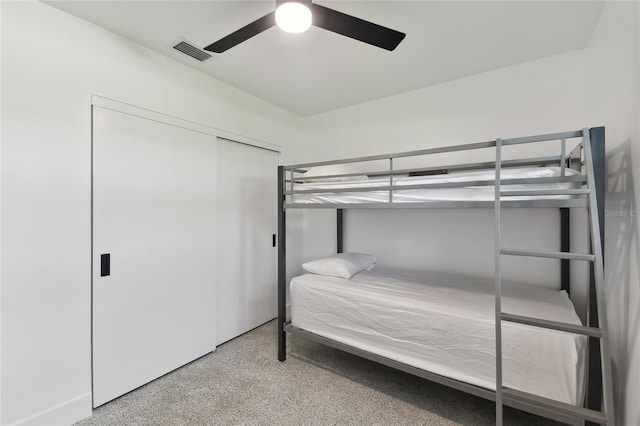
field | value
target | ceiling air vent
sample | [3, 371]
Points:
[192, 51]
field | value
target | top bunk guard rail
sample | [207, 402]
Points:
[519, 181]
[454, 167]
[439, 150]
[443, 149]
[568, 198]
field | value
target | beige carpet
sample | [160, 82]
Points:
[242, 383]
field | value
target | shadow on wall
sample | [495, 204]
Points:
[622, 269]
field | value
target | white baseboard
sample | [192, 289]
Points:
[63, 414]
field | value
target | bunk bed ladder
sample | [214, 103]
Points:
[536, 403]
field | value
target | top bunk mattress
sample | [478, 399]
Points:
[444, 324]
[360, 194]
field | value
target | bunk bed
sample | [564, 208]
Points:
[441, 326]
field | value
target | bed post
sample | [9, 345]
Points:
[282, 269]
[594, 372]
[340, 231]
[565, 245]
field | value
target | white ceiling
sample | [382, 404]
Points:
[318, 71]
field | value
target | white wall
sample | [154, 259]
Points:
[612, 81]
[51, 64]
[538, 97]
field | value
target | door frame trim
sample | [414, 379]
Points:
[111, 104]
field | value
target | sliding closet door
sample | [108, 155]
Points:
[154, 250]
[247, 221]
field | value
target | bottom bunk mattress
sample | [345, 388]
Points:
[444, 324]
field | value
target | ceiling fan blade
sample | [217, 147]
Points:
[243, 34]
[356, 28]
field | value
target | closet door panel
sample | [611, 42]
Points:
[247, 220]
[154, 212]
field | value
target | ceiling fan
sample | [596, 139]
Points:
[298, 15]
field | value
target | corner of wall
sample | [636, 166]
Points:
[613, 87]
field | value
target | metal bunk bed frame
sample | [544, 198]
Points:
[599, 387]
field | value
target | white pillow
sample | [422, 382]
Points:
[334, 169]
[343, 265]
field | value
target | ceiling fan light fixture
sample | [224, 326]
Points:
[297, 16]
[293, 17]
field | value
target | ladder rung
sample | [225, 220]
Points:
[557, 406]
[550, 254]
[542, 192]
[554, 325]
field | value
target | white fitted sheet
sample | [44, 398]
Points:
[467, 193]
[444, 324]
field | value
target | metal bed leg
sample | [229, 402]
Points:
[339, 230]
[565, 246]
[594, 367]
[282, 268]
[498, 286]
